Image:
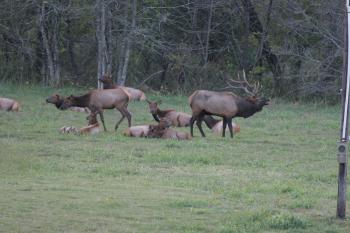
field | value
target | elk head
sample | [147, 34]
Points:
[53, 99]
[106, 79]
[153, 108]
[67, 102]
[92, 118]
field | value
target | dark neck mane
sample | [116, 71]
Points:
[247, 108]
[82, 101]
[109, 86]
[59, 103]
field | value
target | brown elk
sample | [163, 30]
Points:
[137, 131]
[108, 83]
[97, 100]
[226, 105]
[57, 100]
[92, 128]
[9, 105]
[163, 131]
[216, 125]
[177, 119]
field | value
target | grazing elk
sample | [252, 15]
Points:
[177, 119]
[97, 100]
[163, 131]
[216, 125]
[57, 100]
[137, 131]
[108, 83]
[9, 105]
[226, 105]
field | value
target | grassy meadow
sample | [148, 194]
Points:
[278, 175]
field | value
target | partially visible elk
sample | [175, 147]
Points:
[97, 100]
[92, 128]
[177, 119]
[226, 105]
[216, 125]
[9, 105]
[108, 83]
[57, 100]
[137, 131]
[163, 131]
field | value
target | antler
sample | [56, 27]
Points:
[244, 84]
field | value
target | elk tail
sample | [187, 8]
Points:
[143, 96]
[16, 107]
[191, 97]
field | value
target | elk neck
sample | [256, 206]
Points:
[247, 108]
[82, 101]
[59, 103]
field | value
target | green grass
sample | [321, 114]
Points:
[278, 175]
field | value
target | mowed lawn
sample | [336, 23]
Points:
[278, 175]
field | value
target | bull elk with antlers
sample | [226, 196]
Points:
[226, 104]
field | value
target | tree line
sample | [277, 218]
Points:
[294, 48]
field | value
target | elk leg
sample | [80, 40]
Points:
[128, 116]
[199, 124]
[229, 123]
[193, 119]
[103, 120]
[224, 126]
[121, 119]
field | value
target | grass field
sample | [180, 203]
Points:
[278, 175]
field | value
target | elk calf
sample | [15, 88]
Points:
[92, 128]
[177, 119]
[9, 105]
[163, 131]
[137, 131]
[108, 83]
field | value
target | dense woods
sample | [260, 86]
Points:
[292, 47]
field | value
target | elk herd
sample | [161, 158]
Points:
[204, 105]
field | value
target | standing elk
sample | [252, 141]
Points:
[57, 100]
[216, 125]
[9, 105]
[177, 119]
[108, 83]
[226, 105]
[97, 100]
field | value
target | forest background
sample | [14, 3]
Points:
[294, 48]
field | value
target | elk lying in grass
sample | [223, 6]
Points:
[9, 105]
[57, 100]
[163, 131]
[97, 100]
[137, 131]
[226, 105]
[92, 128]
[216, 125]
[177, 119]
[108, 83]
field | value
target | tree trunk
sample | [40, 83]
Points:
[101, 40]
[122, 79]
[257, 29]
